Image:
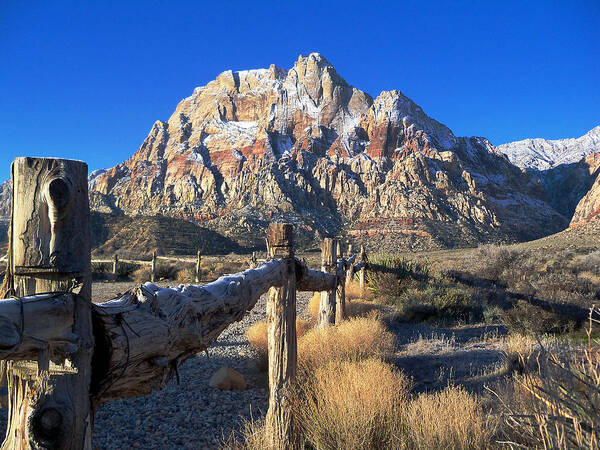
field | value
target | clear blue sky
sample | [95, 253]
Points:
[87, 79]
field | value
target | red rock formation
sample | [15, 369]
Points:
[304, 145]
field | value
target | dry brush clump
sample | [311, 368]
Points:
[348, 396]
[352, 405]
[352, 340]
[555, 403]
[258, 339]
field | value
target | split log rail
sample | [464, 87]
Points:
[63, 356]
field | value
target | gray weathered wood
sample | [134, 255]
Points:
[115, 264]
[49, 405]
[361, 272]
[153, 267]
[327, 300]
[198, 270]
[282, 352]
[29, 325]
[150, 324]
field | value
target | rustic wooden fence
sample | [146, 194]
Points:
[63, 356]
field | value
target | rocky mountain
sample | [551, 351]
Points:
[305, 146]
[544, 154]
[588, 207]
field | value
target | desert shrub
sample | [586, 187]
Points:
[352, 340]
[452, 418]
[258, 339]
[528, 319]
[352, 405]
[102, 271]
[353, 291]
[142, 274]
[557, 406]
[438, 302]
[390, 276]
[494, 260]
[187, 275]
[166, 271]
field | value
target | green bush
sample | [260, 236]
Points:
[390, 276]
[528, 319]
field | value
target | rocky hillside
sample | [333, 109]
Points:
[304, 145]
[544, 154]
[138, 237]
[589, 206]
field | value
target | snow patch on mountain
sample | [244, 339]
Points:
[544, 154]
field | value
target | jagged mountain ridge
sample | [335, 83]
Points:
[544, 154]
[303, 145]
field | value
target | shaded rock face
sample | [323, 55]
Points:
[303, 145]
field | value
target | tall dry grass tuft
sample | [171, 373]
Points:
[563, 407]
[353, 291]
[452, 418]
[356, 306]
[352, 340]
[352, 405]
[258, 339]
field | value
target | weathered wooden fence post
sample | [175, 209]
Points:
[49, 403]
[115, 264]
[153, 267]
[340, 295]
[349, 250]
[281, 319]
[327, 301]
[361, 273]
[198, 270]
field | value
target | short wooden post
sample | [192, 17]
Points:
[349, 250]
[361, 273]
[115, 264]
[254, 259]
[282, 352]
[327, 301]
[340, 299]
[49, 401]
[198, 270]
[338, 249]
[153, 267]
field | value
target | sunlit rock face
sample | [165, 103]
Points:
[303, 145]
[588, 207]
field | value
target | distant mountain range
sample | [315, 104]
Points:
[544, 154]
[302, 145]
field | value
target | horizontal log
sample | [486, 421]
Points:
[313, 280]
[359, 265]
[143, 337]
[35, 324]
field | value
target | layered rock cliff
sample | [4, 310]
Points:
[303, 145]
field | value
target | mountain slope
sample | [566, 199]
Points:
[544, 154]
[138, 237]
[303, 145]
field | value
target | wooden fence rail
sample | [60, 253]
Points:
[63, 356]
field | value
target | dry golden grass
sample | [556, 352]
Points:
[355, 306]
[353, 291]
[352, 340]
[452, 418]
[312, 309]
[258, 339]
[352, 405]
